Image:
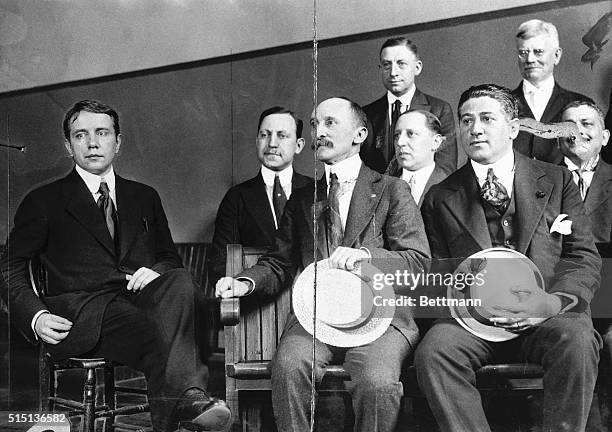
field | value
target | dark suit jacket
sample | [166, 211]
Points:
[245, 217]
[437, 175]
[382, 217]
[456, 226]
[598, 202]
[606, 152]
[536, 147]
[378, 125]
[61, 223]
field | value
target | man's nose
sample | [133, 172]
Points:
[394, 69]
[273, 141]
[476, 128]
[531, 57]
[92, 141]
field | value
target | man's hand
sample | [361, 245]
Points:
[535, 306]
[228, 287]
[141, 278]
[347, 258]
[52, 329]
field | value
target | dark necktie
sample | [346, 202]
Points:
[334, 222]
[279, 199]
[581, 182]
[105, 204]
[395, 113]
[494, 192]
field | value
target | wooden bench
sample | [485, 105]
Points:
[252, 328]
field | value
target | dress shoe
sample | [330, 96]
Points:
[197, 411]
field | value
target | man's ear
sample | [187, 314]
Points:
[360, 135]
[605, 135]
[68, 148]
[558, 54]
[438, 139]
[514, 128]
[118, 144]
[418, 67]
[299, 145]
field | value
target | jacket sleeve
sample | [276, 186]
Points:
[166, 257]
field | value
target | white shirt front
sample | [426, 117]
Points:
[537, 97]
[419, 180]
[347, 172]
[405, 100]
[587, 175]
[285, 180]
[503, 170]
[92, 181]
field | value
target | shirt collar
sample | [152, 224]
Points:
[405, 99]
[503, 168]
[346, 170]
[420, 174]
[545, 86]
[284, 175]
[573, 167]
[93, 180]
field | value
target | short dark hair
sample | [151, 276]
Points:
[358, 113]
[299, 125]
[501, 94]
[586, 101]
[431, 121]
[92, 106]
[400, 41]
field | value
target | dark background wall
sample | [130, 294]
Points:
[188, 130]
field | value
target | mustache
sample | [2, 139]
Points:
[321, 142]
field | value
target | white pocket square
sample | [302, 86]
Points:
[561, 226]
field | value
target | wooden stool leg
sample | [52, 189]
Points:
[109, 395]
[89, 401]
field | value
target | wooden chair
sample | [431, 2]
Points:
[89, 407]
[253, 329]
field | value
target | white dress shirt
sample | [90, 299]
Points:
[419, 180]
[503, 170]
[537, 97]
[347, 172]
[405, 100]
[285, 181]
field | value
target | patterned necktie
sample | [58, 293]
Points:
[396, 110]
[279, 199]
[412, 184]
[334, 222]
[105, 204]
[581, 183]
[494, 192]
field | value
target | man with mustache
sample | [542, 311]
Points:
[374, 218]
[116, 287]
[399, 66]
[540, 96]
[250, 212]
[501, 198]
[417, 137]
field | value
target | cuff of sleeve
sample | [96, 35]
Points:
[249, 282]
[568, 301]
[39, 313]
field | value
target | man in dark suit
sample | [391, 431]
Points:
[539, 95]
[116, 286]
[417, 139]
[250, 212]
[399, 66]
[377, 220]
[501, 198]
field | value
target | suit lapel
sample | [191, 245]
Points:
[419, 102]
[436, 177]
[80, 204]
[257, 203]
[129, 215]
[554, 105]
[465, 205]
[525, 109]
[600, 189]
[531, 194]
[318, 212]
[366, 195]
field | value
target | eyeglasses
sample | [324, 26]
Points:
[386, 66]
[524, 53]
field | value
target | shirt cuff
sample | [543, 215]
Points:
[250, 282]
[39, 313]
[568, 301]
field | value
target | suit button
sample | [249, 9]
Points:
[505, 222]
[507, 243]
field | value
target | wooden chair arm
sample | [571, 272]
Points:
[230, 311]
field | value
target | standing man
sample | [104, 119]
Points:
[116, 286]
[417, 139]
[251, 211]
[539, 95]
[501, 198]
[399, 66]
[367, 216]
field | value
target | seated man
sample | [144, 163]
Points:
[399, 66]
[462, 216]
[116, 287]
[417, 138]
[369, 215]
[251, 211]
